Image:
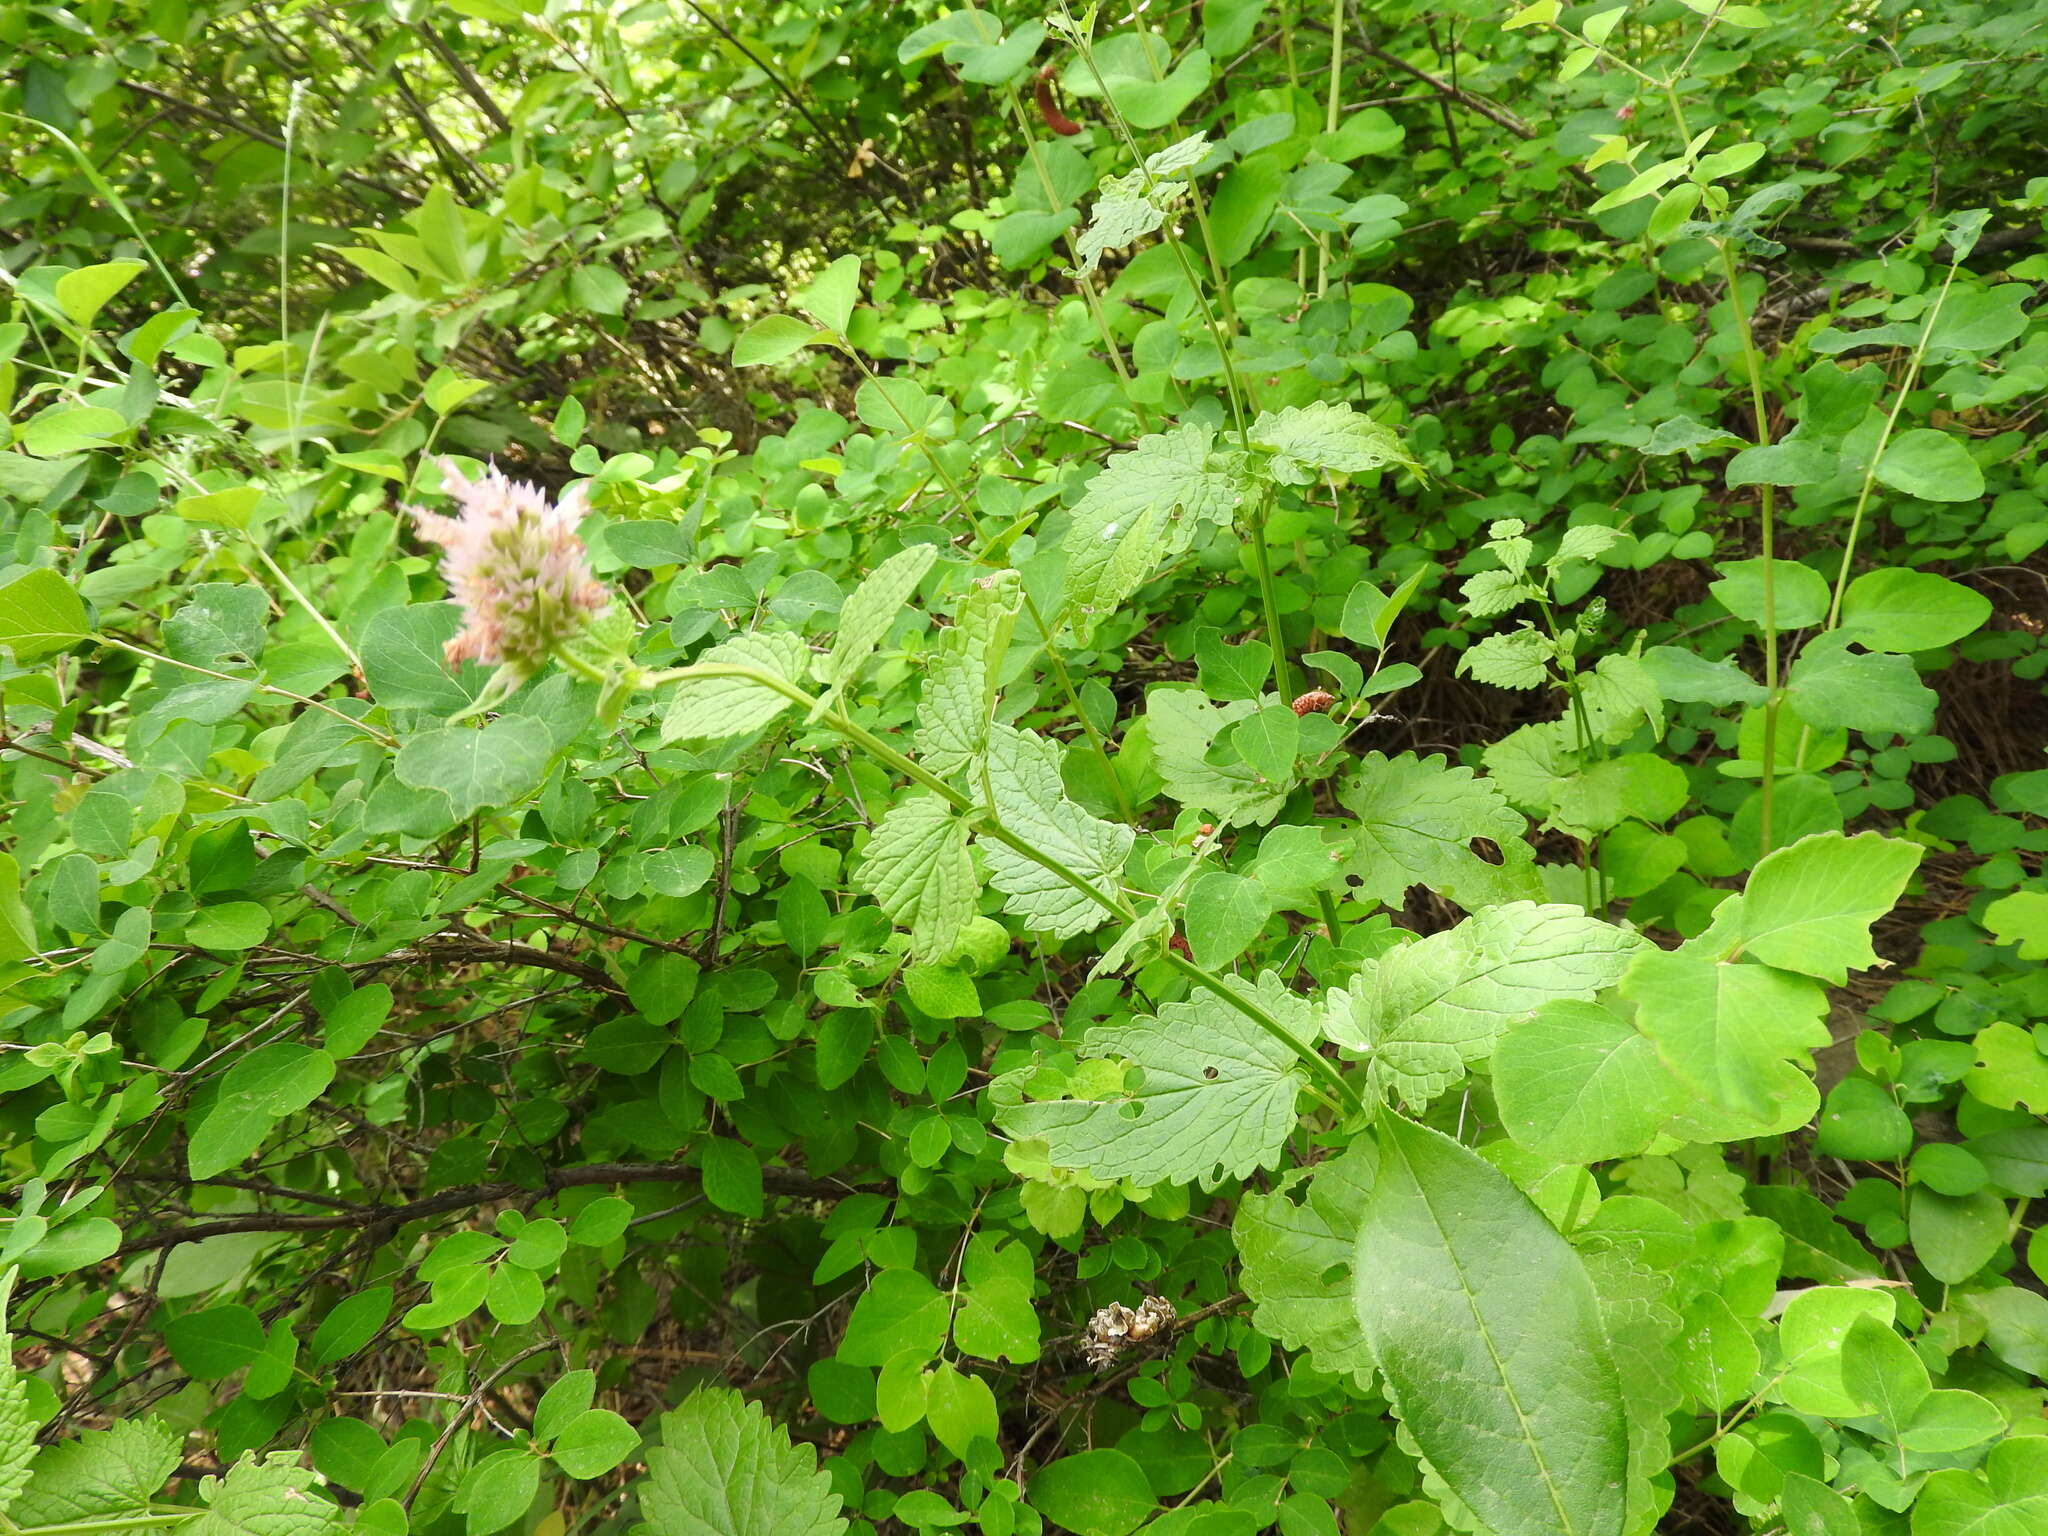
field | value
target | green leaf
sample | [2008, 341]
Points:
[875, 605]
[1212, 1095]
[1799, 593]
[1896, 609]
[732, 1176]
[229, 925]
[1224, 914]
[595, 1441]
[917, 867]
[1024, 779]
[478, 769]
[270, 1497]
[1295, 1248]
[402, 659]
[723, 1469]
[772, 339]
[1833, 688]
[1424, 1012]
[18, 1422]
[959, 696]
[17, 925]
[900, 1311]
[39, 613]
[354, 1321]
[1809, 907]
[2008, 1496]
[1932, 465]
[1102, 1492]
[1488, 1333]
[215, 1343]
[262, 1087]
[1125, 211]
[960, 1409]
[101, 1474]
[1325, 437]
[1142, 508]
[234, 507]
[713, 708]
[1416, 820]
[1577, 1082]
[832, 294]
[996, 1319]
[1184, 726]
[498, 1490]
[84, 293]
[1269, 741]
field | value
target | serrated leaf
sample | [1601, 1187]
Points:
[1515, 658]
[723, 1469]
[1416, 821]
[867, 615]
[1212, 1097]
[1184, 725]
[270, 1497]
[713, 708]
[1488, 1333]
[101, 1473]
[1324, 437]
[918, 868]
[1142, 508]
[1295, 1248]
[17, 1424]
[1024, 779]
[1425, 1012]
[959, 696]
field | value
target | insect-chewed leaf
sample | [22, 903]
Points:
[711, 708]
[1144, 507]
[1417, 818]
[917, 867]
[1488, 1333]
[723, 1469]
[1426, 1012]
[1215, 1099]
[1024, 778]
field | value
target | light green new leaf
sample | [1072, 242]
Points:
[1896, 609]
[1632, 1249]
[1738, 1036]
[271, 1497]
[1932, 465]
[1425, 1012]
[1416, 820]
[712, 708]
[2007, 1496]
[1809, 907]
[1144, 507]
[723, 1469]
[772, 338]
[18, 1421]
[959, 697]
[1488, 1333]
[83, 293]
[1212, 1097]
[833, 292]
[1024, 778]
[39, 613]
[103, 1473]
[1184, 725]
[1123, 215]
[917, 867]
[1295, 1248]
[1324, 437]
[1577, 1082]
[867, 615]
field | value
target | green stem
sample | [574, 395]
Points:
[1753, 363]
[1059, 667]
[1324, 1071]
[1330, 126]
[1262, 564]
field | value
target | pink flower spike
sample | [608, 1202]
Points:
[514, 563]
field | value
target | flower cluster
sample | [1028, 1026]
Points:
[514, 563]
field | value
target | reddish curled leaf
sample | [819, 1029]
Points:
[1048, 109]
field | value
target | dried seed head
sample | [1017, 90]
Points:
[1314, 702]
[1117, 1327]
[514, 563]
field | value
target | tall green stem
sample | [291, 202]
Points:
[1760, 409]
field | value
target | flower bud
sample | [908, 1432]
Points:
[514, 563]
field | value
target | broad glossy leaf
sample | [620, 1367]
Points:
[1809, 907]
[1488, 1333]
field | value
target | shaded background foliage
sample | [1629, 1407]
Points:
[627, 1008]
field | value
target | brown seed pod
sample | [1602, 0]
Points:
[1314, 702]
[1179, 945]
[1048, 109]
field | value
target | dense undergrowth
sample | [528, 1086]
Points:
[1272, 768]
